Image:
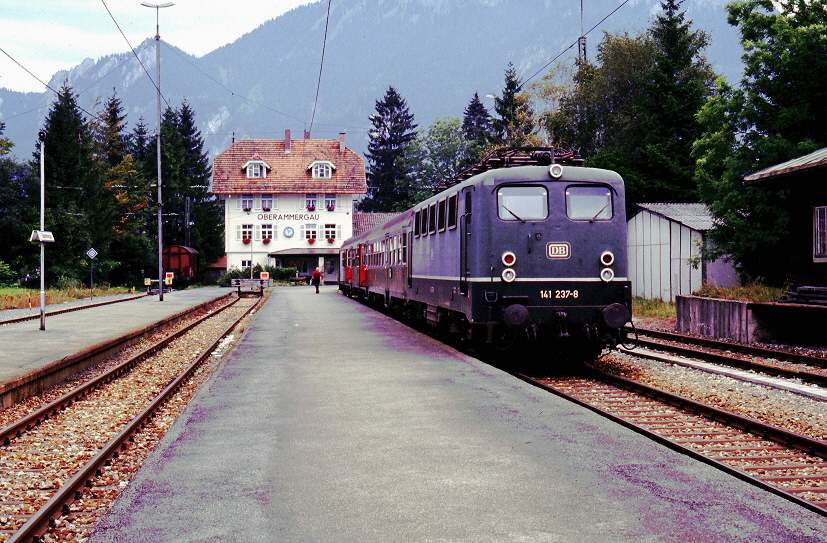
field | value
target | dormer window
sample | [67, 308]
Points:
[256, 169]
[322, 169]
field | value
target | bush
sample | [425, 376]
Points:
[7, 276]
[276, 274]
[281, 274]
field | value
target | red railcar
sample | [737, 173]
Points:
[182, 261]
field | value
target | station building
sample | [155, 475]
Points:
[288, 203]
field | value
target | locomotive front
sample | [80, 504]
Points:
[546, 258]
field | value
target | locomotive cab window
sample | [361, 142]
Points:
[589, 203]
[522, 203]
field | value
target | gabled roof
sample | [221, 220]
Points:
[289, 170]
[817, 159]
[362, 222]
[694, 216]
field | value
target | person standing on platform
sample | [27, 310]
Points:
[315, 279]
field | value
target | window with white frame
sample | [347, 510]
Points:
[244, 231]
[310, 201]
[330, 201]
[332, 231]
[255, 170]
[309, 231]
[322, 170]
[267, 202]
[267, 231]
[245, 202]
[246, 263]
[820, 234]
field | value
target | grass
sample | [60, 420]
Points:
[642, 307]
[22, 298]
[754, 292]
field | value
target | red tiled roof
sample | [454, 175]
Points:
[220, 264]
[362, 222]
[289, 173]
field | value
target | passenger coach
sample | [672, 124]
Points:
[531, 254]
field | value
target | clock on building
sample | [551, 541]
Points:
[288, 232]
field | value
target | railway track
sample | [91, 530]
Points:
[54, 458]
[789, 365]
[69, 309]
[780, 461]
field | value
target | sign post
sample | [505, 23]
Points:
[91, 253]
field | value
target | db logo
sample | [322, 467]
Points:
[558, 250]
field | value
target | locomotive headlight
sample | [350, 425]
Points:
[509, 275]
[607, 274]
[509, 258]
[556, 171]
[607, 258]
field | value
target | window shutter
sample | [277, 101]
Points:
[257, 232]
[238, 231]
[275, 231]
[301, 232]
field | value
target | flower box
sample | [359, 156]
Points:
[311, 240]
[246, 241]
[265, 209]
[266, 241]
[330, 240]
[311, 208]
[331, 208]
[246, 209]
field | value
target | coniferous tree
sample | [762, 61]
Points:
[515, 125]
[476, 122]
[389, 173]
[203, 225]
[676, 86]
[129, 193]
[477, 130]
[19, 205]
[75, 197]
[192, 215]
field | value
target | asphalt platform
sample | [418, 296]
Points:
[25, 348]
[329, 422]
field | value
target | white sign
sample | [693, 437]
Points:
[91, 253]
[41, 235]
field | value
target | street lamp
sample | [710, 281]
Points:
[158, 141]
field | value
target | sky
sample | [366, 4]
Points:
[46, 36]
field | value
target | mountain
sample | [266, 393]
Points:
[436, 53]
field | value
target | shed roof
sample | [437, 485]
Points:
[289, 171]
[694, 216]
[816, 159]
[362, 221]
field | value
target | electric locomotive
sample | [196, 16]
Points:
[515, 256]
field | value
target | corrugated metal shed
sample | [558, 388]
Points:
[817, 159]
[665, 242]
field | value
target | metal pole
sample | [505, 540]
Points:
[158, 154]
[158, 142]
[42, 228]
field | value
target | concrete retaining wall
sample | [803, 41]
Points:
[717, 318]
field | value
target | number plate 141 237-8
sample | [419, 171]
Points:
[559, 294]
